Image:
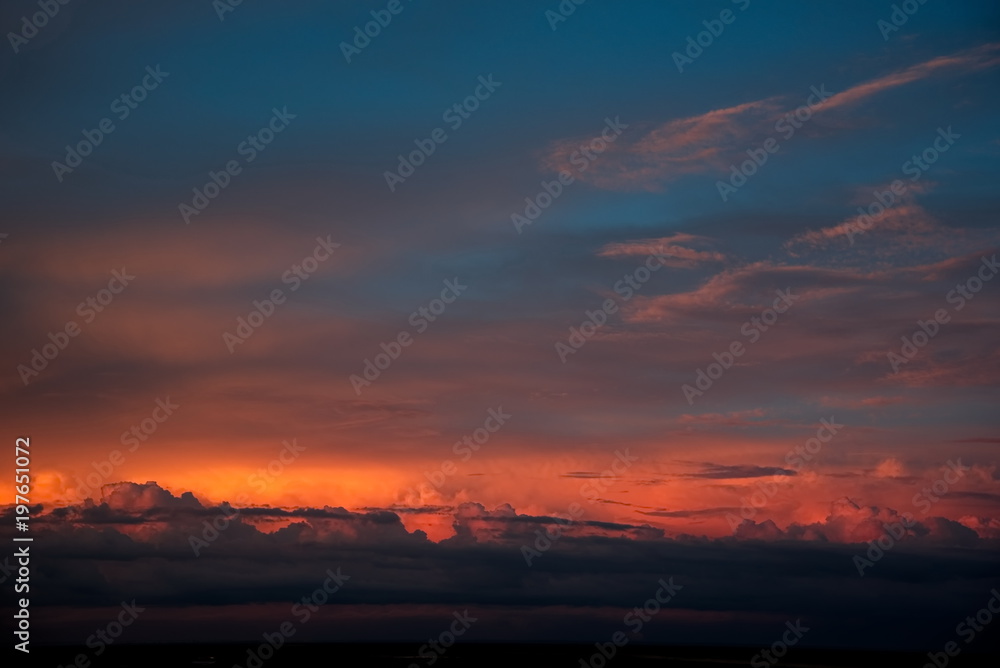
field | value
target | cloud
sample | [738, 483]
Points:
[683, 146]
[701, 512]
[742, 292]
[589, 572]
[588, 567]
[907, 223]
[727, 472]
[977, 58]
[129, 497]
[889, 468]
[224, 255]
[905, 229]
[850, 522]
[716, 139]
[840, 317]
[975, 364]
[746, 418]
[671, 245]
[858, 404]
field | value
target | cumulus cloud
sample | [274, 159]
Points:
[850, 522]
[89, 560]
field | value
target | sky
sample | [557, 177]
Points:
[505, 309]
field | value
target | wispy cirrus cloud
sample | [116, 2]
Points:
[747, 418]
[677, 248]
[681, 146]
[909, 223]
[976, 58]
[713, 140]
[866, 402]
[712, 471]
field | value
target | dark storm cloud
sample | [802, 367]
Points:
[726, 472]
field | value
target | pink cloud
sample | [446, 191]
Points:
[980, 57]
[679, 255]
[714, 140]
[682, 146]
[850, 522]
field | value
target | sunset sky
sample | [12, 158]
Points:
[570, 310]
